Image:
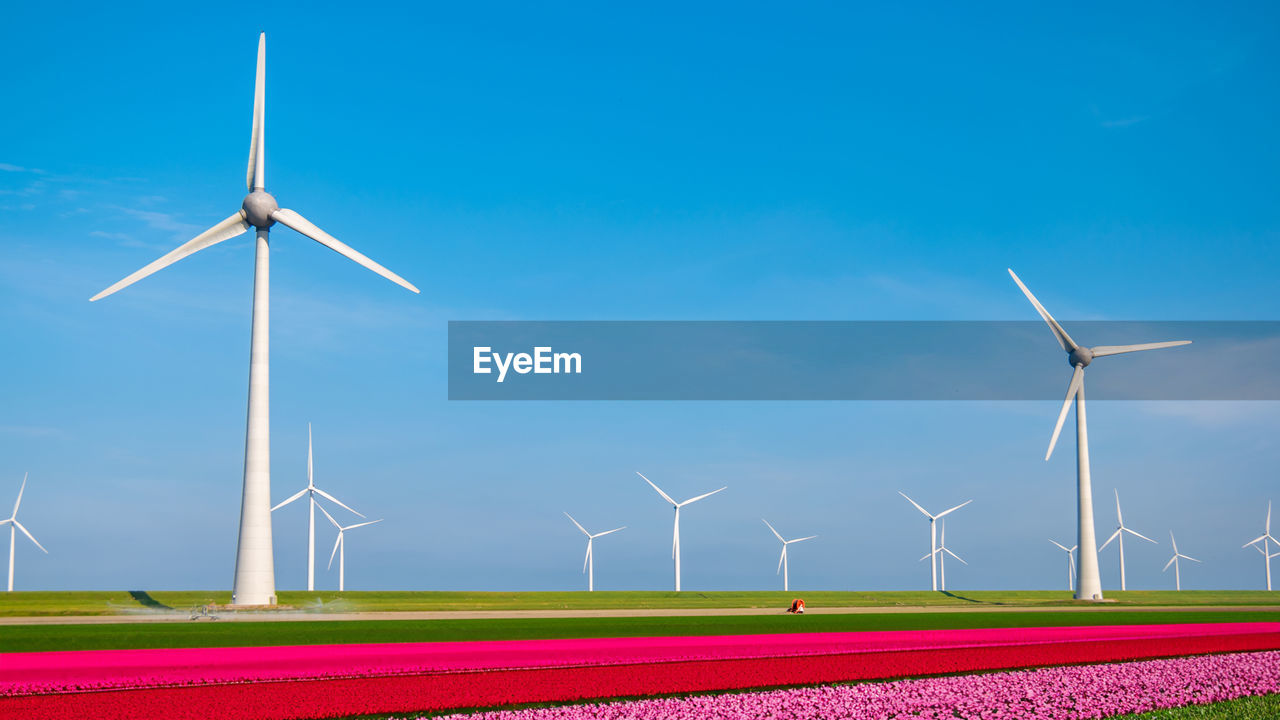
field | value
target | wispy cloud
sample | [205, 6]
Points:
[10, 167]
[163, 221]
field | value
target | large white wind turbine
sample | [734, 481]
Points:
[675, 537]
[255, 572]
[1118, 535]
[942, 551]
[1177, 576]
[340, 546]
[1071, 563]
[589, 562]
[933, 534]
[783, 564]
[1089, 582]
[311, 491]
[14, 526]
[1266, 539]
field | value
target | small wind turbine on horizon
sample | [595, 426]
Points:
[1177, 576]
[1265, 548]
[783, 563]
[14, 526]
[255, 563]
[589, 562]
[933, 534]
[1071, 563]
[942, 552]
[340, 546]
[1089, 581]
[675, 537]
[1119, 535]
[311, 491]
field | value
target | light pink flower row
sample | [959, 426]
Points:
[1059, 693]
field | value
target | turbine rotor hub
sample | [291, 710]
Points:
[258, 206]
[1081, 356]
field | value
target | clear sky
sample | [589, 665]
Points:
[558, 162]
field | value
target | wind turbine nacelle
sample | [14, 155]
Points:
[258, 206]
[1081, 356]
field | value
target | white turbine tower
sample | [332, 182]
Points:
[675, 537]
[1089, 582]
[255, 571]
[1071, 563]
[1177, 576]
[1265, 548]
[1119, 535]
[14, 526]
[933, 534]
[783, 563]
[340, 546]
[311, 491]
[942, 552]
[589, 562]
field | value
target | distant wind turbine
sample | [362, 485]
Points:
[675, 537]
[1265, 548]
[1071, 563]
[1177, 576]
[255, 582]
[782, 561]
[340, 546]
[589, 562]
[942, 552]
[311, 490]
[1119, 536]
[14, 526]
[933, 534]
[1089, 582]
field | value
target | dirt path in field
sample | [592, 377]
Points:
[303, 616]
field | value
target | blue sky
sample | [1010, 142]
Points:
[562, 162]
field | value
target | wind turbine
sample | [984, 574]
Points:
[311, 490]
[1266, 539]
[1119, 534]
[1089, 582]
[782, 561]
[589, 562]
[255, 571]
[340, 546]
[1177, 576]
[675, 537]
[933, 534]
[942, 552]
[1071, 563]
[14, 525]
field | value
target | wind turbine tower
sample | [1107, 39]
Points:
[942, 551]
[933, 534]
[1262, 543]
[1071, 563]
[675, 537]
[1118, 536]
[14, 526]
[255, 582]
[1177, 576]
[783, 561]
[589, 562]
[340, 546]
[1089, 582]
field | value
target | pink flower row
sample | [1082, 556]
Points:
[1058, 693]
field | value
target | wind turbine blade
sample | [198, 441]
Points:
[1073, 388]
[21, 489]
[1166, 565]
[1114, 535]
[1105, 350]
[913, 502]
[704, 495]
[336, 501]
[1119, 517]
[293, 497]
[1255, 541]
[1072, 559]
[587, 558]
[293, 220]
[257, 140]
[1061, 335]
[575, 522]
[357, 525]
[1060, 545]
[927, 556]
[1174, 542]
[1144, 537]
[326, 514]
[781, 557]
[1188, 557]
[947, 550]
[801, 539]
[606, 532]
[946, 512]
[311, 478]
[30, 537]
[225, 230]
[775, 532]
[336, 543]
[655, 487]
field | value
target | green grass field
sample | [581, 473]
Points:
[25, 638]
[1263, 707]
[124, 602]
